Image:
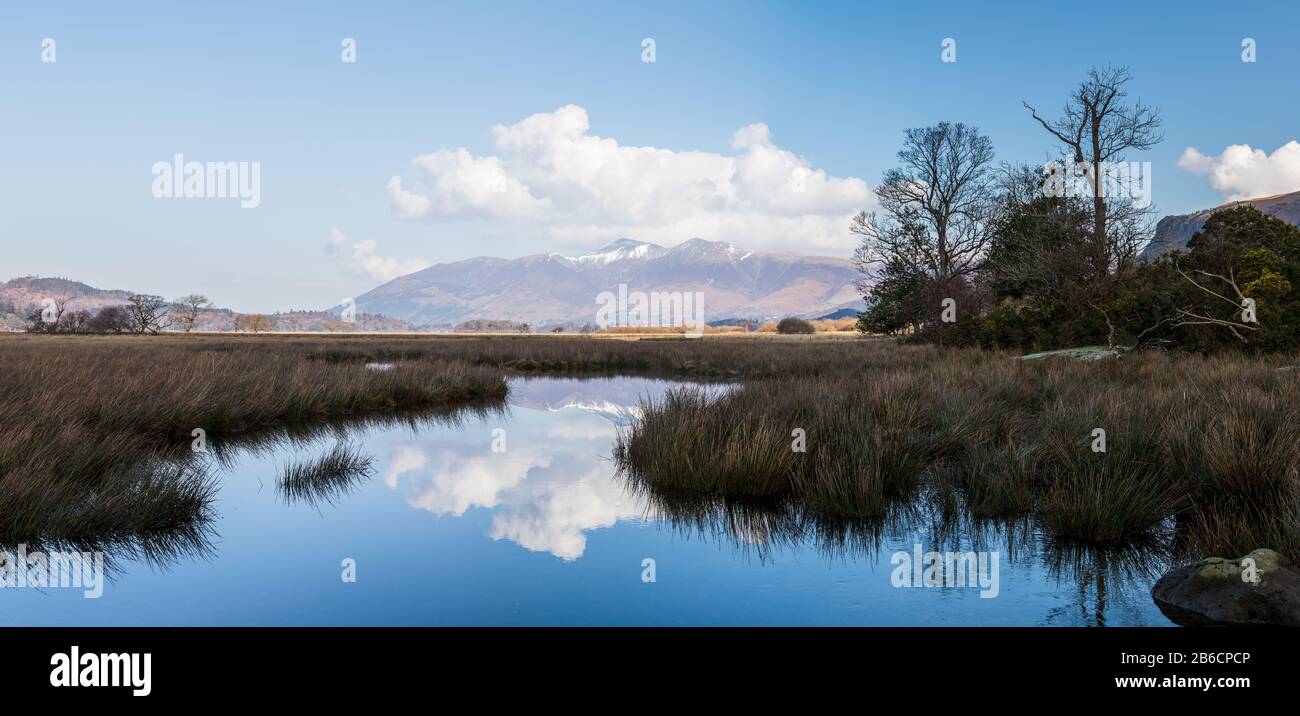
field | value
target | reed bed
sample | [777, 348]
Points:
[98, 435]
[722, 356]
[1203, 452]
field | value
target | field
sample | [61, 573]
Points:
[98, 435]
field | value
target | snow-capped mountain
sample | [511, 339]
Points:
[621, 250]
[554, 288]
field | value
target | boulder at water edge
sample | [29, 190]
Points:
[1261, 588]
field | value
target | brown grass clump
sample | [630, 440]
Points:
[1202, 450]
[96, 433]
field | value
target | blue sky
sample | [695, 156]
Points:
[834, 83]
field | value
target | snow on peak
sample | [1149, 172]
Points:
[691, 249]
[620, 250]
[701, 248]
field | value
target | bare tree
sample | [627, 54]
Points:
[46, 317]
[1236, 322]
[190, 308]
[148, 314]
[936, 205]
[253, 323]
[76, 322]
[38, 324]
[1096, 129]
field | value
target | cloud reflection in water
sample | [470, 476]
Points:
[553, 483]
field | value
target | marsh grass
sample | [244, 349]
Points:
[96, 433]
[1201, 453]
[712, 357]
[721, 451]
[328, 477]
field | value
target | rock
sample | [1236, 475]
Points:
[1220, 591]
[1087, 354]
[1173, 232]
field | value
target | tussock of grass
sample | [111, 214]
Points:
[997, 479]
[721, 451]
[326, 478]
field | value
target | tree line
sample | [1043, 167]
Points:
[964, 251]
[141, 314]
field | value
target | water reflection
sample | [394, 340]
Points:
[542, 470]
[328, 478]
[547, 481]
[515, 514]
[171, 490]
[1093, 580]
[227, 451]
[175, 525]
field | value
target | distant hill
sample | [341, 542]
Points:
[1173, 232]
[551, 288]
[32, 291]
[20, 295]
[842, 313]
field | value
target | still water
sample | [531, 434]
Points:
[516, 516]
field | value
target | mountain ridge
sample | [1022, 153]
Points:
[1174, 231]
[555, 288]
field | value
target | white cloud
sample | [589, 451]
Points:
[754, 134]
[450, 482]
[406, 204]
[1241, 172]
[549, 170]
[465, 185]
[542, 506]
[406, 458]
[362, 258]
[553, 511]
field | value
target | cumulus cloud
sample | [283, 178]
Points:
[1241, 172]
[362, 258]
[450, 482]
[549, 170]
[554, 511]
[541, 505]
